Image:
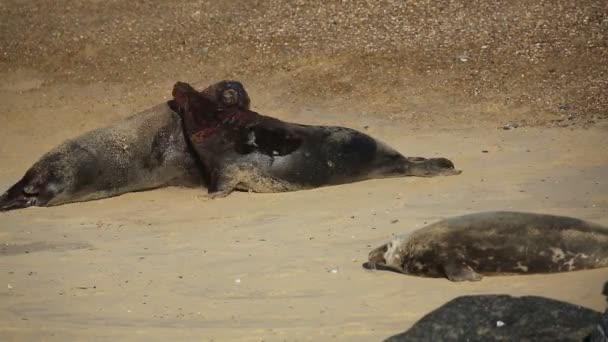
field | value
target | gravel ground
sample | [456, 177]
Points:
[547, 57]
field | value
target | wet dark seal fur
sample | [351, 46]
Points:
[505, 318]
[147, 150]
[247, 151]
[495, 243]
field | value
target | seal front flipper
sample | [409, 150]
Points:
[382, 267]
[217, 194]
[459, 271]
[221, 187]
[221, 184]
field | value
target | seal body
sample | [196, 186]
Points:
[248, 151]
[504, 318]
[495, 243]
[145, 151]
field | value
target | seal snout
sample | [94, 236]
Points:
[29, 191]
[12, 200]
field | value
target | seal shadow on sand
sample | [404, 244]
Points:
[8, 249]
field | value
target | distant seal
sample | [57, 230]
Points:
[495, 243]
[147, 150]
[506, 318]
[247, 151]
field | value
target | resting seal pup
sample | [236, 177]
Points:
[145, 151]
[506, 318]
[495, 243]
[244, 150]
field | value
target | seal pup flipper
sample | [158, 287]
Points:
[457, 271]
[382, 267]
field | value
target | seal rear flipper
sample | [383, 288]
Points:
[459, 271]
[423, 167]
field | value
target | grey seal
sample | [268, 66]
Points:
[145, 151]
[244, 150]
[495, 243]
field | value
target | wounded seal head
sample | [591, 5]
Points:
[219, 96]
[187, 100]
[227, 94]
[221, 107]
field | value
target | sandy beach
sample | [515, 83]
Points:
[170, 264]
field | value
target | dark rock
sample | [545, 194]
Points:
[600, 334]
[506, 318]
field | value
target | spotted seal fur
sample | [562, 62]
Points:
[495, 243]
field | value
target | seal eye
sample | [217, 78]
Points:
[30, 190]
[229, 97]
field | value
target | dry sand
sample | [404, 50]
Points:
[169, 265]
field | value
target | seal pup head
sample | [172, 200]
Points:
[387, 257]
[402, 254]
